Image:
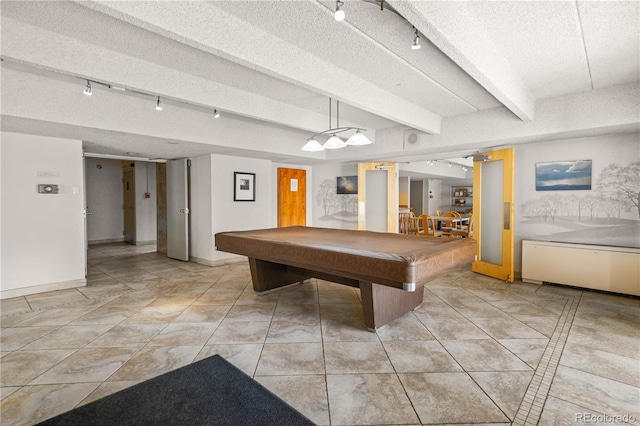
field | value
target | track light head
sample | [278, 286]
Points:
[158, 105]
[87, 90]
[216, 114]
[339, 14]
[416, 41]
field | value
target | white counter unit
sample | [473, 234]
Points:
[614, 269]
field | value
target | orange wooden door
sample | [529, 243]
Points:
[292, 197]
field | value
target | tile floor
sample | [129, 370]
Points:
[478, 351]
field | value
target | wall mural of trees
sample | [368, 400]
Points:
[608, 214]
[336, 206]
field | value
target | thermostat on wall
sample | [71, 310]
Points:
[47, 189]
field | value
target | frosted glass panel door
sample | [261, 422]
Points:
[177, 210]
[491, 212]
[493, 182]
[376, 209]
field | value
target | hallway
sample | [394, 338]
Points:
[477, 351]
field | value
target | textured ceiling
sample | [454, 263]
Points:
[271, 67]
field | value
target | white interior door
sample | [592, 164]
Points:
[177, 210]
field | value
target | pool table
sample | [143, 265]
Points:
[390, 269]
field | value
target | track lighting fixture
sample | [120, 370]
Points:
[216, 114]
[339, 15]
[334, 142]
[158, 105]
[87, 90]
[416, 40]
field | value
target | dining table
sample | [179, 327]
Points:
[457, 221]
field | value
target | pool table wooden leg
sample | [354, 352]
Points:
[382, 304]
[268, 275]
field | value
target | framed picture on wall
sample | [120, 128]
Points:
[563, 175]
[244, 186]
[347, 185]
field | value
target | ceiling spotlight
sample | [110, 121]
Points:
[158, 105]
[416, 41]
[87, 90]
[216, 114]
[464, 168]
[312, 145]
[450, 165]
[339, 15]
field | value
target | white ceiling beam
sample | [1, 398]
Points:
[58, 53]
[209, 28]
[453, 28]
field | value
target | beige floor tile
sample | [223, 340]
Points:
[20, 367]
[528, 350]
[250, 297]
[291, 359]
[621, 344]
[69, 337]
[293, 332]
[55, 316]
[14, 338]
[127, 336]
[301, 313]
[483, 355]
[342, 310]
[356, 357]
[505, 388]
[498, 328]
[250, 313]
[243, 356]
[598, 393]
[603, 363]
[451, 398]
[347, 330]
[8, 390]
[156, 314]
[86, 366]
[106, 389]
[203, 313]
[420, 357]
[449, 329]
[211, 297]
[544, 325]
[307, 394]
[240, 332]
[108, 314]
[55, 298]
[407, 327]
[14, 305]
[559, 412]
[368, 399]
[33, 404]
[338, 296]
[184, 334]
[150, 362]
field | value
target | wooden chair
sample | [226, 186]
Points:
[405, 222]
[463, 233]
[447, 227]
[429, 226]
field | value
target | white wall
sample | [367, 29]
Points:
[146, 208]
[104, 199]
[213, 208]
[604, 228]
[326, 174]
[42, 235]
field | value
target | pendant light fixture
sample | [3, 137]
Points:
[335, 142]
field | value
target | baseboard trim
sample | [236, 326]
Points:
[26, 291]
[109, 240]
